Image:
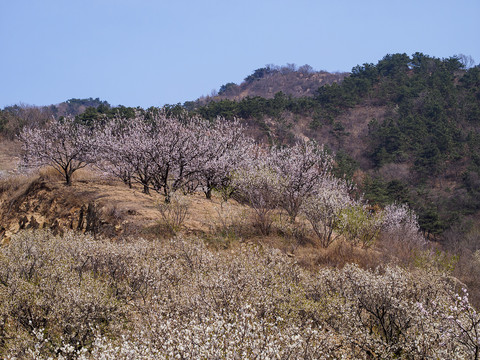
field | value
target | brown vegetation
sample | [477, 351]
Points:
[67, 294]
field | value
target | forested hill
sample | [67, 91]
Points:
[406, 129]
[13, 118]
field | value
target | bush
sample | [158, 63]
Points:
[45, 286]
[394, 313]
[360, 226]
[174, 212]
[79, 298]
[401, 224]
[259, 186]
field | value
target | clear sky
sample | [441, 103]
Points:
[149, 53]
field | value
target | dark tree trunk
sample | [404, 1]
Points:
[146, 189]
[68, 178]
[208, 193]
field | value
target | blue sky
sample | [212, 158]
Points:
[149, 53]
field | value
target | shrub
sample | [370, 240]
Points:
[77, 297]
[360, 226]
[44, 287]
[302, 168]
[323, 208]
[174, 212]
[400, 223]
[393, 313]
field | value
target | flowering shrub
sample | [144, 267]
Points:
[76, 297]
[391, 313]
[400, 223]
[302, 168]
[464, 326]
[44, 285]
[323, 207]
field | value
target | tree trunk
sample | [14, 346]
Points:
[146, 189]
[166, 192]
[208, 193]
[68, 178]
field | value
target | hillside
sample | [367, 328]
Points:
[407, 128]
[265, 82]
[94, 269]
[105, 207]
[162, 235]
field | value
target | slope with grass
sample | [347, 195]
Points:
[101, 270]
[98, 269]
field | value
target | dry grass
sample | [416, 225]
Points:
[11, 184]
[49, 174]
[121, 212]
[42, 200]
[10, 152]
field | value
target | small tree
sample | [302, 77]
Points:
[63, 144]
[226, 145]
[360, 226]
[258, 184]
[400, 223]
[323, 208]
[302, 167]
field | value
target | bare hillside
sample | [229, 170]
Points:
[266, 82]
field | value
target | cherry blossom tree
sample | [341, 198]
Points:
[63, 144]
[258, 184]
[178, 150]
[303, 167]
[125, 148]
[166, 154]
[323, 207]
[227, 146]
[400, 223]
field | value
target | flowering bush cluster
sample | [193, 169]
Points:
[167, 155]
[75, 297]
[299, 180]
[401, 224]
[324, 206]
